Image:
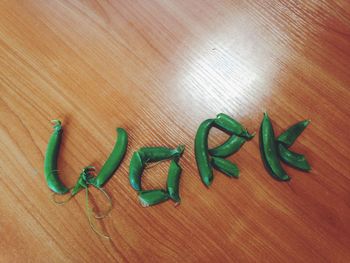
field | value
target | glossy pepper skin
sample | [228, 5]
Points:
[229, 147]
[156, 154]
[227, 124]
[225, 166]
[153, 197]
[231, 126]
[292, 133]
[113, 161]
[173, 181]
[201, 152]
[293, 159]
[111, 165]
[135, 171]
[50, 162]
[269, 152]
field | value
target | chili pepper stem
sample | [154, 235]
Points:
[53, 199]
[110, 205]
[89, 213]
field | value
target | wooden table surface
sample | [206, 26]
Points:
[158, 69]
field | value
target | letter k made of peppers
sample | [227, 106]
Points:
[272, 150]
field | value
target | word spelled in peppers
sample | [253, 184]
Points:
[272, 151]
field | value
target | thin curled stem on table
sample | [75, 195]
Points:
[89, 213]
[53, 198]
[106, 213]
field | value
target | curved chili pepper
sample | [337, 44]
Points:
[231, 126]
[201, 152]
[50, 162]
[153, 197]
[293, 159]
[112, 163]
[268, 150]
[156, 154]
[229, 147]
[135, 171]
[292, 133]
[225, 166]
[173, 181]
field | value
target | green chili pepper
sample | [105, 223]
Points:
[230, 125]
[232, 145]
[113, 161]
[225, 166]
[111, 165]
[174, 180]
[201, 152]
[50, 162]
[156, 154]
[292, 133]
[135, 171]
[268, 150]
[293, 159]
[153, 197]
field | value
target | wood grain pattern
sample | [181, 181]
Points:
[158, 68]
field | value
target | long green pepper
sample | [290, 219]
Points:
[156, 154]
[201, 152]
[229, 147]
[231, 126]
[293, 159]
[268, 149]
[135, 171]
[173, 181]
[111, 165]
[225, 166]
[292, 133]
[153, 197]
[50, 161]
